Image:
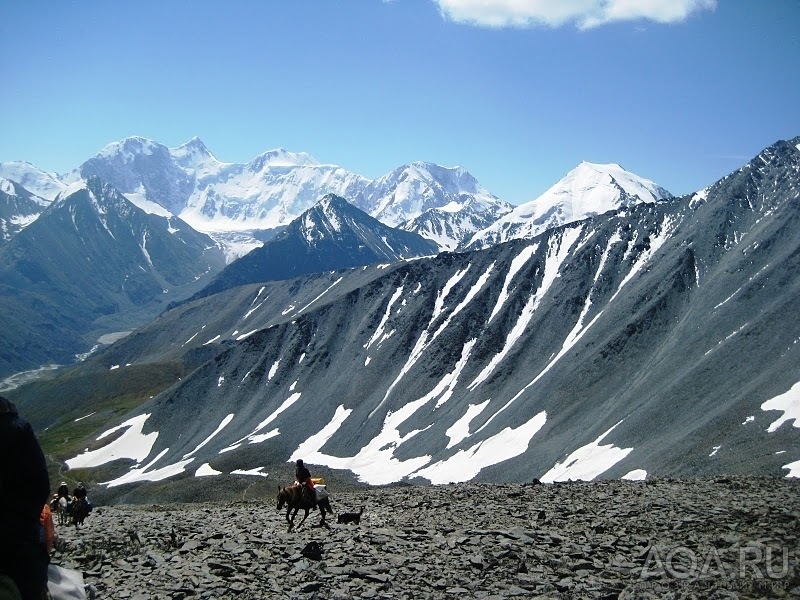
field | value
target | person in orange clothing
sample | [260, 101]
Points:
[46, 519]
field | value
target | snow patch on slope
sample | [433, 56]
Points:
[789, 403]
[587, 462]
[133, 444]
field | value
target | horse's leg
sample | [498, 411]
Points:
[305, 516]
[291, 521]
[322, 522]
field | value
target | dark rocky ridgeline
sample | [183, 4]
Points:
[714, 538]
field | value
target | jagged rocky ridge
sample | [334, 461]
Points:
[643, 340]
[331, 235]
[18, 208]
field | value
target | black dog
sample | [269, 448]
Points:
[345, 518]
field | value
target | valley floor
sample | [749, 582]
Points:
[712, 538]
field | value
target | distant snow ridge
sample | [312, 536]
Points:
[231, 202]
[587, 190]
[267, 192]
[38, 182]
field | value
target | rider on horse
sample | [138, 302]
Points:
[63, 490]
[80, 492]
[303, 477]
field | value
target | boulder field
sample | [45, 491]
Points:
[726, 537]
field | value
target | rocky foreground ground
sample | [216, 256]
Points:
[720, 538]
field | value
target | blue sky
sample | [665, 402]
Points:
[516, 91]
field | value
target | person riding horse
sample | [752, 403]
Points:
[303, 477]
[79, 507]
[80, 492]
[63, 490]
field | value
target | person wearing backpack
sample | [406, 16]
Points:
[24, 488]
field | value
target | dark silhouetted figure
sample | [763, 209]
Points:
[24, 488]
[303, 477]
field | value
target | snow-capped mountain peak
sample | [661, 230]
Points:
[38, 182]
[587, 186]
[282, 158]
[193, 151]
[195, 158]
[408, 191]
[127, 149]
[588, 189]
[324, 218]
[194, 145]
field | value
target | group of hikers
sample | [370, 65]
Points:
[27, 530]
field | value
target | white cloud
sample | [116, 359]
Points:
[585, 14]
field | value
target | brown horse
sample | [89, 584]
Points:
[297, 497]
[78, 510]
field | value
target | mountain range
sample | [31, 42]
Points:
[654, 339]
[240, 205]
[234, 202]
[415, 210]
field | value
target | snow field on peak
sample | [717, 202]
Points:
[588, 189]
[7, 187]
[38, 182]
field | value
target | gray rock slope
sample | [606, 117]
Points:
[90, 258]
[647, 338]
